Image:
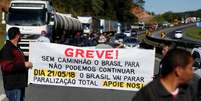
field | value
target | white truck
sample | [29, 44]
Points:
[90, 24]
[109, 26]
[36, 19]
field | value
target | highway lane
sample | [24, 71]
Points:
[168, 30]
[184, 42]
[58, 93]
[186, 39]
[53, 93]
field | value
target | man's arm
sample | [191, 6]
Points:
[10, 63]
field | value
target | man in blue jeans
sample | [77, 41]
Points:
[13, 66]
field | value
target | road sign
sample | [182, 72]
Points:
[162, 34]
[198, 24]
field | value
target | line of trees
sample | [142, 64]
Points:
[171, 16]
[196, 13]
[108, 9]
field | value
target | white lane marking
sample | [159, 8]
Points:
[2, 97]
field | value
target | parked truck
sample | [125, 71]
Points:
[36, 19]
[90, 24]
[109, 26]
[138, 26]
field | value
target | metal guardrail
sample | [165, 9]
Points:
[182, 43]
[179, 42]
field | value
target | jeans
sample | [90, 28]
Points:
[15, 94]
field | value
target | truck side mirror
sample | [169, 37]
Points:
[50, 19]
[3, 21]
[197, 64]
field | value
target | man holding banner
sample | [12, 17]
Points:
[65, 65]
[13, 66]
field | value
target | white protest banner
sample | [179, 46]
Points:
[63, 65]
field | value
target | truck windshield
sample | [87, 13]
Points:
[27, 17]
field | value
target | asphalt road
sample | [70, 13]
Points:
[58, 93]
[168, 30]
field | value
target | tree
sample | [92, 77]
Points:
[97, 7]
[123, 12]
[170, 16]
[107, 9]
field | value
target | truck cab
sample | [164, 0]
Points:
[32, 17]
[39, 22]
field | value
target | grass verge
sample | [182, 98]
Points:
[194, 32]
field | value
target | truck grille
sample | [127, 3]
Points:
[24, 42]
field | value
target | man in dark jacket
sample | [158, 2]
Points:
[172, 85]
[13, 66]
